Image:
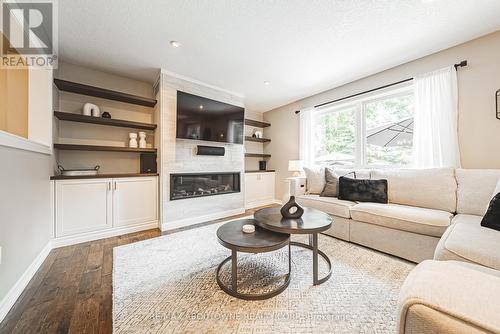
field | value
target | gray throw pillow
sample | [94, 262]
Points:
[331, 188]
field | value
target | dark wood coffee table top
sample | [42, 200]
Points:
[230, 235]
[312, 221]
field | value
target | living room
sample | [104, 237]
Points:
[250, 167]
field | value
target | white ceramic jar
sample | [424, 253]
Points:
[133, 140]
[142, 139]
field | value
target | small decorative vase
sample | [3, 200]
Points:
[90, 109]
[133, 140]
[286, 209]
[142, 140]
[106, 115]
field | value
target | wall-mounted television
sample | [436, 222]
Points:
[200, 118]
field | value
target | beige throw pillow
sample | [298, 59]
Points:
[497, 189]
[315, 179]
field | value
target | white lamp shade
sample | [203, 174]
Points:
[295, 165]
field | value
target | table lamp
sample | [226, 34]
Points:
[295, 166]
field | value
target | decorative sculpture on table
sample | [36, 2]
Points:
[286, 210]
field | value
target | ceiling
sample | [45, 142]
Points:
[301, 47]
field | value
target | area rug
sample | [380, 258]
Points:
[167, 285]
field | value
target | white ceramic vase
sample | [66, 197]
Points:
[142, 139]
[133, 140]
[90, 109]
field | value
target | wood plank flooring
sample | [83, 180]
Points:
[72, 290]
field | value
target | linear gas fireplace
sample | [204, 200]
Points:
[203, 184]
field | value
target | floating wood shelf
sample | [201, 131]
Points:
[258, 124]
[66, 116]
[260, 171]
[101, 176]
[76, 147]
[74, 87]
[258, 140]
[257, 155]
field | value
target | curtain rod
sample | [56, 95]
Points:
[463, 63]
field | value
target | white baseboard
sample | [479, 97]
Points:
[10, 299]
[95, 235]
[256, 204]
[200, 219]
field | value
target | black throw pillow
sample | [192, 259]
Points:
[357, 190]
[492, 217]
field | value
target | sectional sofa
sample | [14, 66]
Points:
[433, 218]
[423, 204]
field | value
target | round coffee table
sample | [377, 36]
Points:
[312, 222]
[231, 236]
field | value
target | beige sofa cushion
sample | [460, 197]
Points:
[475, 189]
[460, 294]
[433, 188]
[361, 173]
[401, 217]
[467, 240]
[330, 205]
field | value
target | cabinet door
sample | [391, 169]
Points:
[267, 186]
[83, 206]
[135, 201]
[252, 185]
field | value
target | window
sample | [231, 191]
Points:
[371, 131]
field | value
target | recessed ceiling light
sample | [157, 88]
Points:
[175, 44]
[266, 83]
[201, 106]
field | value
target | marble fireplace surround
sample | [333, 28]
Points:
[179, 156]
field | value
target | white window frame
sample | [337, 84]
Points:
[359, 103]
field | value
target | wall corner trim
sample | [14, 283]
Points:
[13, 141]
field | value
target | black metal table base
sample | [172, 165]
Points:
[233, 290]
[313, 245]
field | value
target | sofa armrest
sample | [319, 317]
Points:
[450, 297]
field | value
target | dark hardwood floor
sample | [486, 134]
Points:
[72, 290]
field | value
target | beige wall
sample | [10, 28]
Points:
[14, 101]
[479, 130]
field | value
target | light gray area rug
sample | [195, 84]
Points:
[167, 285]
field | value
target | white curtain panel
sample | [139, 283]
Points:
[305, 137]
[435, 133]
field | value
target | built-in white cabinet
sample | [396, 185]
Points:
[83, 206]
[259, 189]
[135, 201]
[89, 205]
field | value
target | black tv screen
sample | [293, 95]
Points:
[200, 118]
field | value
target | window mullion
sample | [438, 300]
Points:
[363, 134]
[359, 133]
